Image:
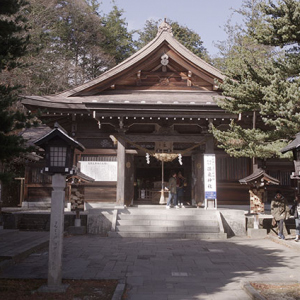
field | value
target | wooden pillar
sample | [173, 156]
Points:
[27, 174]
[209, 146]
[121, 157]
[197, 179]
[129, 179]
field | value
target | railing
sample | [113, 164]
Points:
[144, 193]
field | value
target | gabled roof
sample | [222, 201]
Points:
[186, 83]
[164, 37]
[58, 132]
[259, 175]
[295, 144]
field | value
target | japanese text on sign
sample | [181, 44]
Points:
[100, 170]
[210, 176]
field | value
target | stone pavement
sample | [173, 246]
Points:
[15, 245]
[164, 269]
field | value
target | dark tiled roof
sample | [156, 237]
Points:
[259, 175]
[293, 145]
[32, 134]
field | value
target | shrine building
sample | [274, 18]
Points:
[148, 115]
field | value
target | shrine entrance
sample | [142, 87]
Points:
[148, 179]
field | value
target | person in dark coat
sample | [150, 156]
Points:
[172, 191]
[180, 184]
[280, 212]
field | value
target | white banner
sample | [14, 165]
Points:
[210, 182]
[100, 170]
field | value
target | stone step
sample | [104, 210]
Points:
[164, 211]
[178, 217]
[171, 235]
[213, 229]
[168, 222]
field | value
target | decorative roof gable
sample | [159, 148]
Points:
[163, 64]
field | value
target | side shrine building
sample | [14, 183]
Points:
[138, 121]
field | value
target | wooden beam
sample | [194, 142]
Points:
[150, 138]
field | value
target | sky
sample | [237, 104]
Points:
[207, 18]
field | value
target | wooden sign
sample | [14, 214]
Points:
[100, 170]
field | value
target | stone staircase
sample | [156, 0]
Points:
[158, 222]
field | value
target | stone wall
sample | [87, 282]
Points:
[234, 222]
[100, 221]
[36, 221]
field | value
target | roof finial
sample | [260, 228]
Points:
[164, 26]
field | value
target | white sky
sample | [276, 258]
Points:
[207, 18]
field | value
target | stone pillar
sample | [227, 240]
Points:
[121, 172]
[56, 236]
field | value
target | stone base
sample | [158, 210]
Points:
[257, 233]
[76, 230]
[62, 288]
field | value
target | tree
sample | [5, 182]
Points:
[147, 34]
[254, 77]
[13, 43]
[282, 95]
[65, 47]
[118, 41]
[186, 36]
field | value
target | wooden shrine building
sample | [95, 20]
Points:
[159, 100]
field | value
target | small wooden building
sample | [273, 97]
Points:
[162, 99]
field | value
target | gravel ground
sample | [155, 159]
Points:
[26, 289]
[278, 291]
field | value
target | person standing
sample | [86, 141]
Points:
[295, 211]
[279, 210]
[180, 184]
[172, 190]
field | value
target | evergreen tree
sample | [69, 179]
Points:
[186, 36]
[118, 41]
[254, 77]
[13, 42]
[282, 95]
[147, 34]
[65, 46]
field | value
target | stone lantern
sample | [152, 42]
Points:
[59, 150]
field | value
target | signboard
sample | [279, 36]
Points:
[100, 170]
[210, 185]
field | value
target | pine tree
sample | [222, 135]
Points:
[13, 42]
[118, 40]
[259, 87]
[282, 95]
